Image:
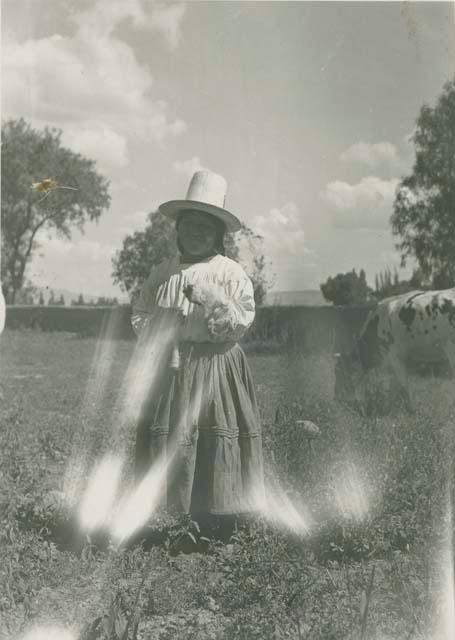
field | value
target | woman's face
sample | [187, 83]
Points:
[197, 233]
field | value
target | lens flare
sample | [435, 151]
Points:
[98, 379]
[100, 494]
[352, 497]
[143, 501]
[445, 623]
[278, 509]
[150, 356]
[49, 633]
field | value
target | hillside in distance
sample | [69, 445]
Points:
[307, 297]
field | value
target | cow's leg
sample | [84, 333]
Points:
[349, 381]
[450, 353]
[400, 374]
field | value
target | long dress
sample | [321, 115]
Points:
[203, 415]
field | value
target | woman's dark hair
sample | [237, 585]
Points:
[220, 231]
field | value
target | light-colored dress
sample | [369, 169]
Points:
[206, 409]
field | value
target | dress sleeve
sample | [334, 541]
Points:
[230, 310]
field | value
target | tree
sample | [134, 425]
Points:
[61, 301]
[424, 207]
[41, 301]
[44, 187]
[144, 249]
[247, 248]
[347, 289]
[26, 295]
[106, 302]
[387, 285]
[80, 302]
[52, 301]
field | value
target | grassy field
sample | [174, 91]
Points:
[373, 563]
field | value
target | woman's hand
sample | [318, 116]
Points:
[193, 293]
[221, 322]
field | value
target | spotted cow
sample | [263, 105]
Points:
[409, 329]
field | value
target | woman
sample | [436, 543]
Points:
[202, 412]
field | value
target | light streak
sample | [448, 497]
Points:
[96, 504]
[98, 378]
[352, 498]
[150, 357]
[49, 632]
[142, 502]
[97, 507]
[445, 621]
[277, 508]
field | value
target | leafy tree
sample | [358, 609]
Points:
[144, 249]
[246, 247]
[424, 207]
[26, 295]
[61, 301]
[347, 289]
[45, 187]
[52, 301]
[41, 300]
[387, 285]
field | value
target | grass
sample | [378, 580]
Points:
[375, 488]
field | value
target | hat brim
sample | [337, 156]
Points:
[172, 208]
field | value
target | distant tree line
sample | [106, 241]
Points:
[352, 289]
[101, 301]
[29, 295]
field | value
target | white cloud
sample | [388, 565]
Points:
[367, 204]
[371, 155]
[104, 144]
[283, 234]
[165, 18]
[381, 156]
[91, 84]
[188, 167]
[282, 230]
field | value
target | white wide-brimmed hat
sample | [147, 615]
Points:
[206, 193]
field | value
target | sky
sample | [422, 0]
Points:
[306, 108]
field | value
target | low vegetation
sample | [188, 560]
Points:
[372, 492]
